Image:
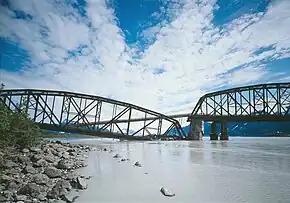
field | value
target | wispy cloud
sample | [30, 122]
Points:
[86, 51]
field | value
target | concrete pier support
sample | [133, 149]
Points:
[195, 130]
[224, 131]
[213, 135]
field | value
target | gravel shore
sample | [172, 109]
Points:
[48, 172]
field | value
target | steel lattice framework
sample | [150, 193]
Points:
[89, 114]
[263, 102]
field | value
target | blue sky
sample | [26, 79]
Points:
[161, 54]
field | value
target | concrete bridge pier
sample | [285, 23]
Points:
[224, 131]
[213, 135]
[195, 130]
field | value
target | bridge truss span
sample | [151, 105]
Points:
[264, 102]
[89, 114]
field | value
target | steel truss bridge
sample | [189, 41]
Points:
[263, 102]
[94, 115]
[88, 114]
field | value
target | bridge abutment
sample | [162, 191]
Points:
[224, 131]
[213, 135]
[195, 130]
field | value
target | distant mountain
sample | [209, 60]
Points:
[251, 129]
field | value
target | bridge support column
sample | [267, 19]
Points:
[224, 131]
[213, 135]
[195, 130]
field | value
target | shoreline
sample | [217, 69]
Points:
[48, 172]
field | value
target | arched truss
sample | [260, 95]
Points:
[263, 102]
[88, 114]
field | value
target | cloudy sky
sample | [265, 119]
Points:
[160, 54]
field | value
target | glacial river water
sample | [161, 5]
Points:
[253, 170]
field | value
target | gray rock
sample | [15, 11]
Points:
[35, 149]
[6, 179]
[12, 186]
[20, 198]
[42, 197]
[23, 159]
[25, 150]
[86, 177]
[60, 149]
[65, 155]
[49, 158]
[2, 188]
[123, 159]
[3, 199]
[10, 164]
[80, 163]
[36, 157]
[40, 179]
[72, 153]
[61, 188]
[47, 150]
[40, 163]
[68, 199]
[20, 202]
[14, 171]
[52, 172]
[81, 184]
[71, 150]
[8, 195]
[65, 164]
[71, 176]
[137, 164]
[117, 156]
[31, 189]
[166, 192]
[29, 169]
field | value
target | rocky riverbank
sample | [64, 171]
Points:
[45, 173]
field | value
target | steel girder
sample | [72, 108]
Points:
[68, 110]
[263, 102]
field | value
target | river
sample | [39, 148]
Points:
[253, 170]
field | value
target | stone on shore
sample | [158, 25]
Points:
[31, 189]
[29, 169]
[117, 156]
[166, 192]
[34, 149]
[137, 164]
[65, 164]
[62, 187]
[52, 172]
[81, 184]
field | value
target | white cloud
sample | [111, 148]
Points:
[197, 56]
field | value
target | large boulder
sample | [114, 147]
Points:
[40, 163]
[62, 187]
[29, 169]
[31, 189]
[50, 158]
[65, 164]
[23, 159]
[10, 164]
[35, 149]
[52, 172]
[36, 157]
[40, 179]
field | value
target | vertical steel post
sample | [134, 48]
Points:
[128, 126]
